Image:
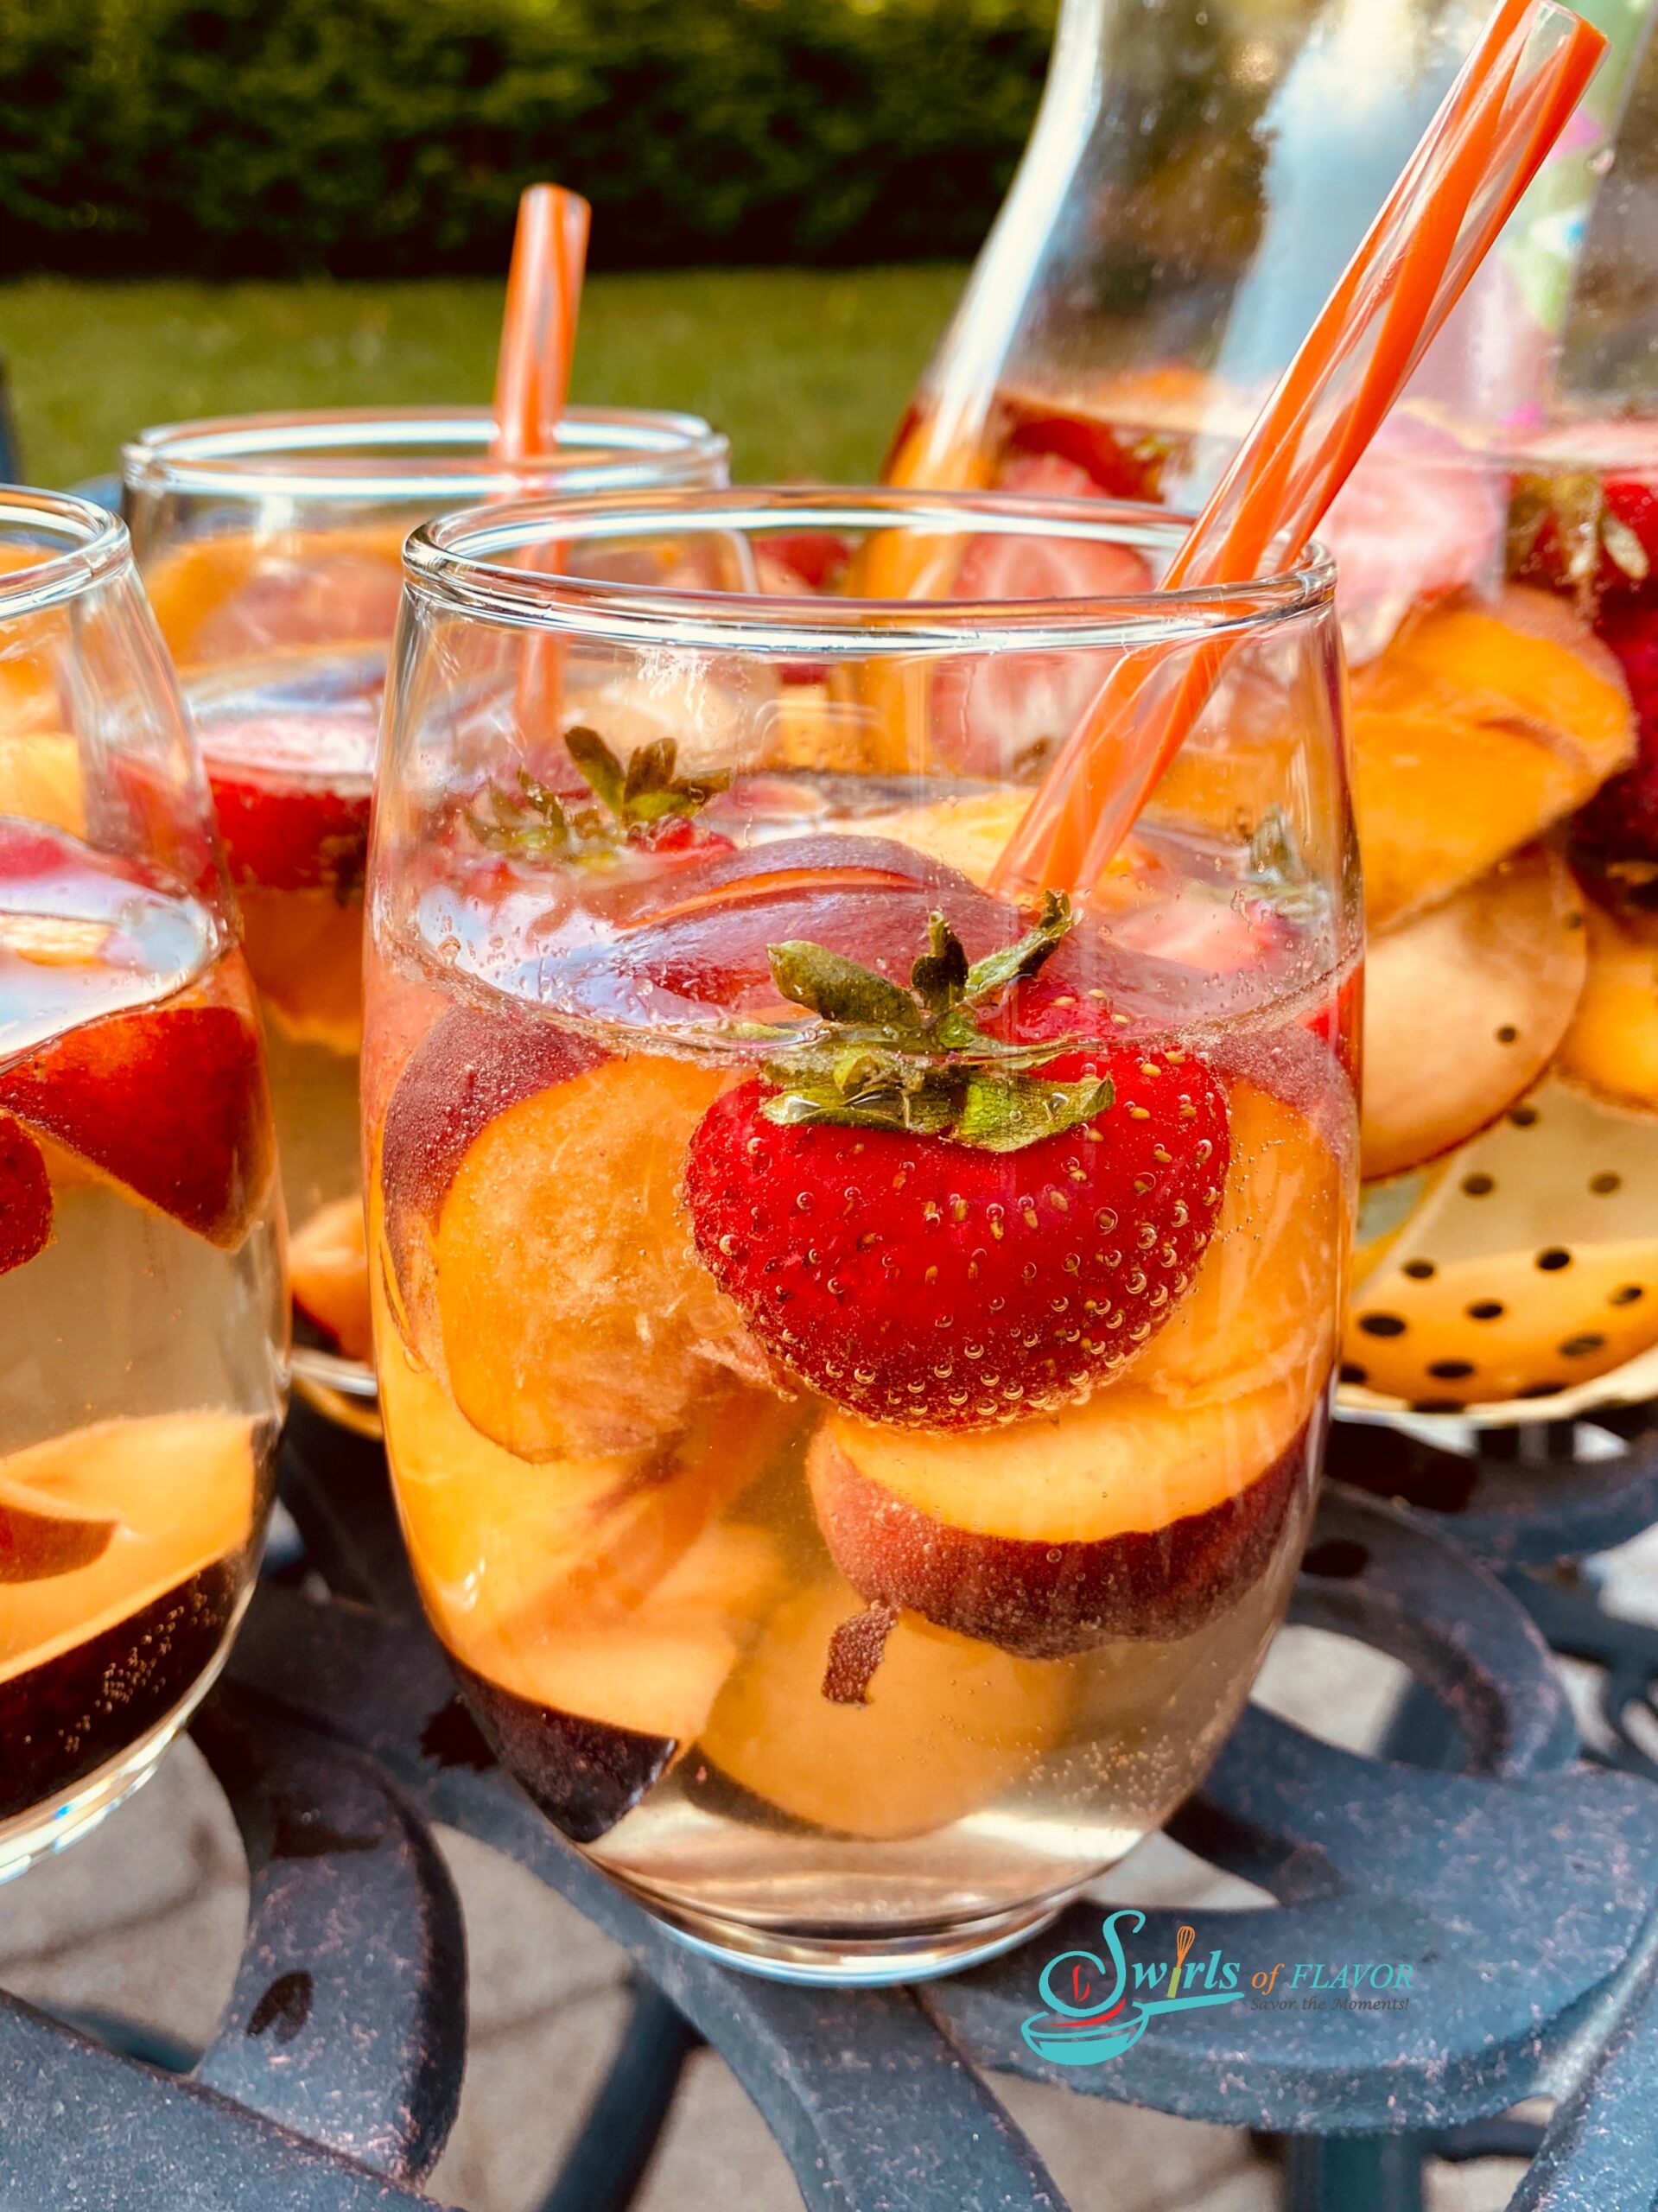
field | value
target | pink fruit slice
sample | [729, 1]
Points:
[1128, 1517]
[169, 1100]
[1465, 1007]
[950, 1725]
[25, 1196]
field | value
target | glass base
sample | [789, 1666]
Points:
[37, 1834]
[852, 1963]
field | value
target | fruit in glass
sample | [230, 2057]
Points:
[271, 547]
[142, 1303]
[854, 1351]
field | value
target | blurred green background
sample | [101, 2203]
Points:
[808, 371]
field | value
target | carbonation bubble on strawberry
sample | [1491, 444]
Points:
[938, 1227]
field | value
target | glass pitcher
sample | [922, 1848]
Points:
[1199, 175]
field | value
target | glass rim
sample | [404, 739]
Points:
[442, 560]
[318, 453]
[99, 546]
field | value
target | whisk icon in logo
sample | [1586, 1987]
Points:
[1090, 2015]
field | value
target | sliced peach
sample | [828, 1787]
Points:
[950, 1725]
[1529, 1270]
[1464, 1006]
[25, 1196]
[41, 778]
[575, 1315]
[36, 1546]
[169, 1100]
[224, 597]
[970, 834]
[1612, 1048]
[290, 831]
[327, 1267]
[1472, 732]
[1127, 1516]
[1262, 1312]
[305, 950]
[178, 1492]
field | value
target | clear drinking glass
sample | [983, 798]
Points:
[854, 1352]
[1199, 175]
[143, 1316]
[270, 548]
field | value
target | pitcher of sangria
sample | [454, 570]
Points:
[1198, 176]
[270, 548]
[143, 1310]
[854, 1348]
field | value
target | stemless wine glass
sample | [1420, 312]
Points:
[854, 1352]
[270, 548]
[142, 1311]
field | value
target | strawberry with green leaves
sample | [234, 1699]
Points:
[936, 1221]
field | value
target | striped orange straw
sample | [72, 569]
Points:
[532, 381]
[1496, 124]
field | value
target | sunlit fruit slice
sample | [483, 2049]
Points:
[968, 834]
[1475, 730]
[224, 597]
[35, 1545]
[305, 949]
[948, 1725]
[699, 942]
[1464, 1006]
[176, 1491]
[1127, 1516]
[1530, 1270]
[575, 1315]
[41, 778]
[25, 1196]
[1611, 1047]
[327, 1267]
[169, 1100]
[1261, 1313]
[285, 833]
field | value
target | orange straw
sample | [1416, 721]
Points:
[532, 381]
[544, 298]
[1476, 157]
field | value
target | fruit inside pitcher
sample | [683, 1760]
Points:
[281, 645]
[855, 1355]
[140, 1311]
[1500, 610]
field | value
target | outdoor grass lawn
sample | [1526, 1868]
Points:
[807, 371]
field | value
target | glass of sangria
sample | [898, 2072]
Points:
[270, 547]
[143, 1310]
[854, 1349]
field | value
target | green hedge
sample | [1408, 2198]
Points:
[391, 136]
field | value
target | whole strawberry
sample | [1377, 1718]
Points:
[1621, 821]
[936, 1226]
[1594, 536]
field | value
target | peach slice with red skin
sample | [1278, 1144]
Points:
[168, 1101]
[25, 1196]
[1125, 1517]
[1465, 1007]
[1477, 728]
[36, 1546]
